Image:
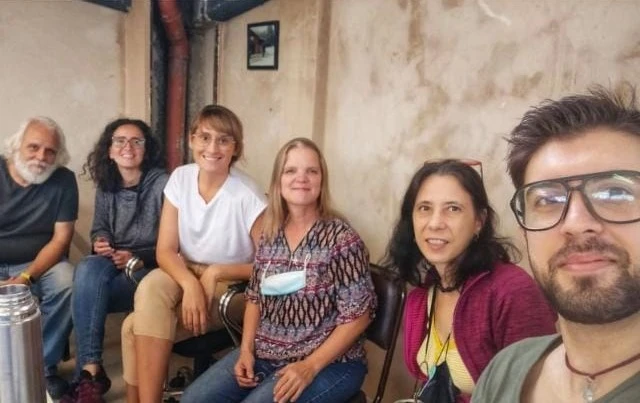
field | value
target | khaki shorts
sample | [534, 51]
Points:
[157, 313]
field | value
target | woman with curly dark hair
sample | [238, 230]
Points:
[125, 166]
[470, 300]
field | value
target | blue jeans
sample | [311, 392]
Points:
[336, 383]
[99, 288]
[53, 289]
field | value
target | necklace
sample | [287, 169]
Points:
[588, 394]
[446, 289]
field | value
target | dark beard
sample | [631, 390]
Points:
[585, 301]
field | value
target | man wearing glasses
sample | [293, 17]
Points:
[38, 209]
[576, 167]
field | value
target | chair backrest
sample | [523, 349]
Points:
[383, 331]
[234, 328]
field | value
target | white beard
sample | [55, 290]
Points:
[33, 172]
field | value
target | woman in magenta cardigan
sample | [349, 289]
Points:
[470, 301]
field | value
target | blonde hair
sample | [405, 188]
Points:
[277, 211]
[13, 143]
[222, 120]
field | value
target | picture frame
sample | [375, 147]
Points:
[263, 45]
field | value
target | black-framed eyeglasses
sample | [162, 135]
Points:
[611, 196]
[121, 142]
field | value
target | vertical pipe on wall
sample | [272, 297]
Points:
[177, 80]
[216, 63]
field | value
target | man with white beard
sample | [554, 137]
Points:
[576, 167]
[38, 209]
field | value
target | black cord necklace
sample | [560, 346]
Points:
[588, 394]
[446, 289]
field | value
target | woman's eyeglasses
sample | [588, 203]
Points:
[121, 142]
[205, 139]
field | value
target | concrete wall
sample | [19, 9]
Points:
[383, 85]
[414, 80]
[274, 106]
[70, 60]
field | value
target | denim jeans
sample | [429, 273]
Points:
[99, 288]
[53, 289]
[336, 383]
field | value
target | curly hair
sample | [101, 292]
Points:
[403, 254]
[101, 169]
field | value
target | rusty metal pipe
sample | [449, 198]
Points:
[177, 80]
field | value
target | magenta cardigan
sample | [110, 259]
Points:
[495, 308]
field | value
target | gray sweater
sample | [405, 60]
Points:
[129, 218]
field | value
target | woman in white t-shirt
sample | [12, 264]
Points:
[209, 227]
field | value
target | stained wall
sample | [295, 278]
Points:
[383, 85]
[80, 64]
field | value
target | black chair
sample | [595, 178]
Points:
[233, 328]
[383, 331]
[201, 349]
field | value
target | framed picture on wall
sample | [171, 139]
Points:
[262, 45]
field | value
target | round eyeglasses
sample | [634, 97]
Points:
[121, 142]
[205, 139]
[611, 196]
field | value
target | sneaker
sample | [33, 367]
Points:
[103, 380]
[88, 388]
[56, 386]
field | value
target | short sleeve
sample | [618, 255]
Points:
[174, 185]
[68, 210]
[252, 293]
[254, 205]
[352, 278]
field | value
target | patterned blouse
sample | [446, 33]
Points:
[338, 290]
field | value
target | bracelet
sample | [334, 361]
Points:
[131, 262]
[28, 277]
[130, 268]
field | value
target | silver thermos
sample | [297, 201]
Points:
[21, 361]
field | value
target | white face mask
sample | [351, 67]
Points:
[284, 283]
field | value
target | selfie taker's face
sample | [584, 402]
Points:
[589, 269]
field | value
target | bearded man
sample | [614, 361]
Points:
[38, 209]
[576, 167]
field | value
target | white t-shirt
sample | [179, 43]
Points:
[218, 231]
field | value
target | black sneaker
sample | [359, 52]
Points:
[56, 386]
[103, 380]
[88, 388]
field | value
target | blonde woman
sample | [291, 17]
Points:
[309, 299]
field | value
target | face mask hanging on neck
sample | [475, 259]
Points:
[284, 283]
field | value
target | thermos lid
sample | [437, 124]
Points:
[16, 304]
